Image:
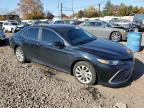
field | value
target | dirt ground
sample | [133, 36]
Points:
[32, 85]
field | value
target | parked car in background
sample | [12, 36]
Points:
[1, 23]
[2, 37]
[68, 21]
[74, 50]
[71, 22]
[13, 21]
[21, 26]
[138, 21]
[58, 22]
[38, 22]
[104, 30]
[43, 22]
[78, 22]
[35, 22]
[10, 27]
[122, 23]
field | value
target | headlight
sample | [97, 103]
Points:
[129, 51]
[110, 62]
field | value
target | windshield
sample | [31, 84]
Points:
[76, 36]
[14, 23]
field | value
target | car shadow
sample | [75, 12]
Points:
[137, 73]
[4, 43]
[142, 48]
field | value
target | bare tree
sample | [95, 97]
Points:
[31, 9]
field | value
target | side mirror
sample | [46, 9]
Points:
[58, 44]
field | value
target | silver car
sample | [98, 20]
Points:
[123, 23]
[104, 30]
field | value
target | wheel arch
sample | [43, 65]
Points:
[15, 47]
[86, 60]
[79, 60]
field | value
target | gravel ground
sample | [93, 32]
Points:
[32, 85]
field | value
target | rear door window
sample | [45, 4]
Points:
[32, 33]
[98, 24]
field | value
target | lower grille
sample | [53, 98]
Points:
[121, 76]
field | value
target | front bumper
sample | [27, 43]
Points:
[115, 76]
[124, 35]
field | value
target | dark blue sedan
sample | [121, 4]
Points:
[2, 37]
[75, 51]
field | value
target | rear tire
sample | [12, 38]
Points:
[1, 42]
[116, 36]
[85, 73]
[20, 55]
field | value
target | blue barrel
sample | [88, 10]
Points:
[134, 41]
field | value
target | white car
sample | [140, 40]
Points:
[9, 27]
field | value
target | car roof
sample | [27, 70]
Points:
[54, 26]
[94, 21]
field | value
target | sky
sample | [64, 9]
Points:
[52, 5]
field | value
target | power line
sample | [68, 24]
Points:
[100, 2]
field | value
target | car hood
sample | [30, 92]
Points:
[107, 50]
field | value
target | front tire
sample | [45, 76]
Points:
[116, 36]
[12, 30]
[20, 55]
[85, 73]
[4, 30]
[136, 29]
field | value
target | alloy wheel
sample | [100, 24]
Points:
[83, 74]
[116, 36]
[20, 55]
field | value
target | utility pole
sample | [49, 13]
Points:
[73, 9]
[99, 10]
[61, 11]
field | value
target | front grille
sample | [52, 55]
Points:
[121, 76]
[129, 59]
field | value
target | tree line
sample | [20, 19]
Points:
[33, 9]
[110, 10]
